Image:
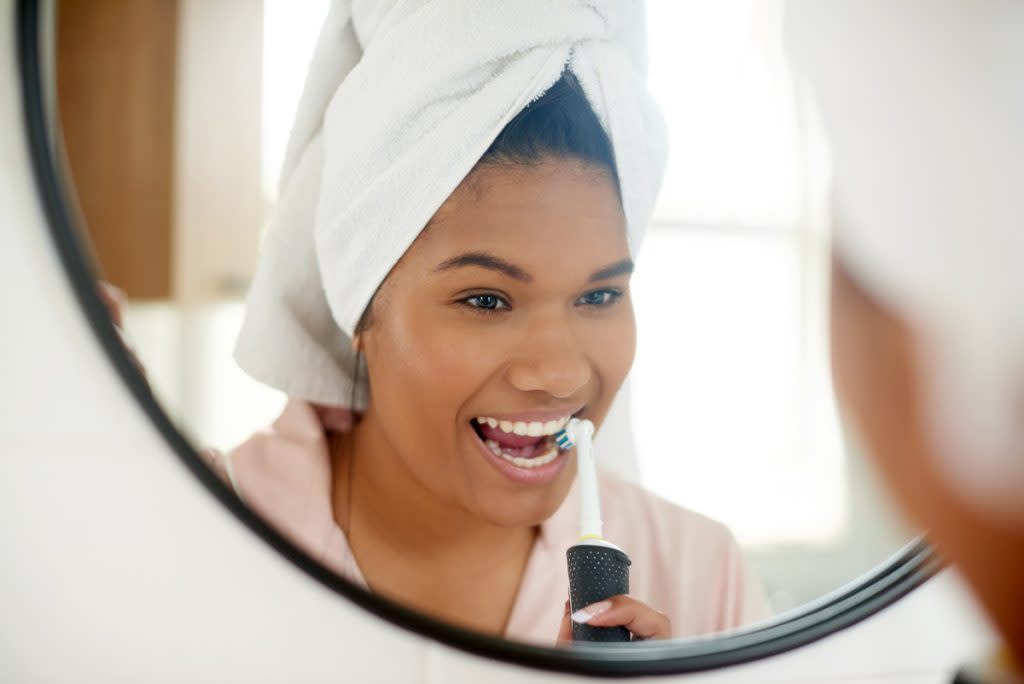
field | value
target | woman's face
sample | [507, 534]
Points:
[513, 306]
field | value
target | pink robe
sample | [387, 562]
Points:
[685, 565]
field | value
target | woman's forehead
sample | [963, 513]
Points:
[555, 205]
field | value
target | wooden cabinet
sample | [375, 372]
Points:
[116, 75]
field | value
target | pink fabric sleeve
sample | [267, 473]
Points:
[283, 473]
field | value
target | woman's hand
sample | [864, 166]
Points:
[113, 298]
[641, 620]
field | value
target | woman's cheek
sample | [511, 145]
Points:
[466, 356]
[613, 358]
[447, 355]
[618, 347]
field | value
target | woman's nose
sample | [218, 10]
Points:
[552, 361]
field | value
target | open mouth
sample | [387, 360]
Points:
[523, 444]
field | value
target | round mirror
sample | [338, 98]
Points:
[159, 133]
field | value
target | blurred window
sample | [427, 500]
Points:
[732, 408]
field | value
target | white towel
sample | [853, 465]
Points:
[402, 99]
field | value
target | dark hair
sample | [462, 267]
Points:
[559, 123]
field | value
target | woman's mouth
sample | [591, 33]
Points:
[524, 444]
[524, 451]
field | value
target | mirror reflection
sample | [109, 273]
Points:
[379, 306]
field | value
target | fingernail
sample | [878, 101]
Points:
[585, 615]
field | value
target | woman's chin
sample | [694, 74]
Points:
[524, 508]
[514, 521]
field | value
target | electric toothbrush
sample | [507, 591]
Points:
[597, 568]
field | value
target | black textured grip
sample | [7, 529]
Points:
[596, 573]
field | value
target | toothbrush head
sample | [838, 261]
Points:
[568, 437]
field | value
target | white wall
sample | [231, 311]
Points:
[118, 566]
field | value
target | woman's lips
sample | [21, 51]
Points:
[522, 446]
[540, 474]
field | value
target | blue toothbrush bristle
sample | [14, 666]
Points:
[563, 441]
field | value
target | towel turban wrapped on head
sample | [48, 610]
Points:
[402, 99]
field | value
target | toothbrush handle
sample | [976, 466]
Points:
[596, 573]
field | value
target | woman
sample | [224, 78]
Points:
[480, 333]
[513, 305]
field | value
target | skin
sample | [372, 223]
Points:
[433, 524]
[878, 371]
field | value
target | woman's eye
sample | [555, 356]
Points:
[487, 302]
[599, 298]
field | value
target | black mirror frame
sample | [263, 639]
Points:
[905, 571]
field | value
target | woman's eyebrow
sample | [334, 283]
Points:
[623, 267]
[485, 260]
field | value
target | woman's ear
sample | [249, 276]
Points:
[361, 325]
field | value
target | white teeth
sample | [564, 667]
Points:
[531, 463]
[527, 463]
[523, 428]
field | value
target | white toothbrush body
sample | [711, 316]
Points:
[597, 568]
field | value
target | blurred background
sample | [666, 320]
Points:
[176, 114]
